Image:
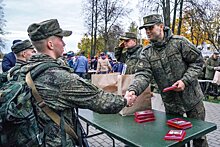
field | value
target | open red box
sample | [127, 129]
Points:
[177, 135]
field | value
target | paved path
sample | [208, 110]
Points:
[212, 115]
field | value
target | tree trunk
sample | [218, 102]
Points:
[191, 29]
[167, 23]
[92, 45]
[95, 28]
[174, 17]
[166, 12]
[180, 18]
[106, 25]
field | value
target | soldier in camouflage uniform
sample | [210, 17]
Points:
[23, 51]
[132, 53]
[61, 89]
[212, 65]
[171, 60]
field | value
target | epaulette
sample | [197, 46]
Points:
[177, 37]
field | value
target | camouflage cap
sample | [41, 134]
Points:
[45, 29]
[21, 46]
[151, 20]
[128, 35]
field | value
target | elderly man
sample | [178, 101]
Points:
[172, 61]
[62, 90]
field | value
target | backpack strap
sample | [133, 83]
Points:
[54, 116]
[42, 66]
[13, 71]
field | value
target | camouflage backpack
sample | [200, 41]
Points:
[5, 76]
[18, 121]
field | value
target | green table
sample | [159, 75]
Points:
[148, 134]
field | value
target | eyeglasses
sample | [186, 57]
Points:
[150, 28]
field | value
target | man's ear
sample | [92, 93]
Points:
[162, 26]
[23, 53]
[50, 44]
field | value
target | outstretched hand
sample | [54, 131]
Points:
[217, 68]
[131, 98]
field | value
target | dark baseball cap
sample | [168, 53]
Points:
[128, 35]
[151, 20]
[21, 46]
[45, 29]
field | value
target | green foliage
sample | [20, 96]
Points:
[212, 99]
[85, 45]
[133, 28]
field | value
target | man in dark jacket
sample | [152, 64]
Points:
[172, 61]
[9, 59]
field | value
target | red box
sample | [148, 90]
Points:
[177, 135]
[169, 88]
[144, 114]
[179, 123]
[144, 120]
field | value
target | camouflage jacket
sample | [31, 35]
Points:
[14, 70]
[210, 64]
[169, 61]
[63, 90]
[130, 57]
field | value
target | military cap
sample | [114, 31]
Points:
[128, 35]
[15, 41]
[21, 46]
[151, 20]
[45, 29]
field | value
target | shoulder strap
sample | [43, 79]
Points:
[13, 71]
[54, 116]
[41, 67]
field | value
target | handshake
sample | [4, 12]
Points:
[217, 68]
[130, 97]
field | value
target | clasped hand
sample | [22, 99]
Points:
[131, 98]
[217, 68]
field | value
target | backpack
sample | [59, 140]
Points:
[18, 118]
[6, 76]
[18, 124]
[3, 78]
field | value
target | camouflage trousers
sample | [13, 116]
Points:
[198, 112]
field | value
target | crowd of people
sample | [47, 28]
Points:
[64, 88]
[101, 64]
